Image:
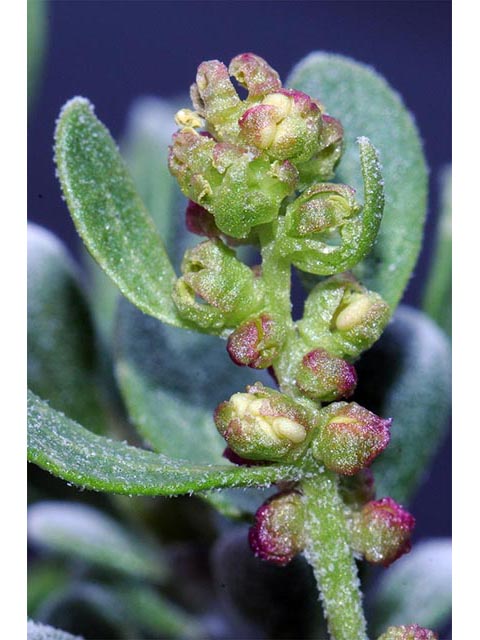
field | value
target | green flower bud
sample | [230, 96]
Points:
[264, 424]
[320, 167]
[240, 188]
[381, 531]
[256, 342]
[343, 317]
[349, 437]
[287, 125]
[321, 376]
[320, 209]
[215, 99]
[256, 75]
[277, 535]
[227, 288]
[408, 632]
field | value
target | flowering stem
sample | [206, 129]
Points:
[276, 274]
[328, 552]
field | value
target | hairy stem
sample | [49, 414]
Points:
[328, 552]
[276, 274]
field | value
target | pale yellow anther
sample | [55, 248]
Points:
[188, 118]
[354, 313]
[289, 429]
[281, 102]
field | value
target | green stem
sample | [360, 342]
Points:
[328, 552]
[276, 274]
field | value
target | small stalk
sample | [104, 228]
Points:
[276, 274]
[328, 552]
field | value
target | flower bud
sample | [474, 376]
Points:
[344, 317]
[264, 424]
[320, 167]
[324, 377]
[239, 187]
[381, 531]
[408, 632]
[215, 99]
[199, 221]
[349, 437]
[212, 273]
[320, 208]
[287, 125]
[359, 489]
[277, 533]
[255, 74]
[256, 342]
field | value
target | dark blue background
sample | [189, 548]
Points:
[114, 51]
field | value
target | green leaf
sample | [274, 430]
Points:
[406, 376]
[437, 300]
[44, 578]
[36, 41]
[367, 106]
[144, 147]
[416, 589]
[79, 531]
[62, 365]
[109, 214]
[37, 631]
[69, 451]
[151, 123]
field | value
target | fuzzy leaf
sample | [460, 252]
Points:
[69, 451]
[108, 213]
[416, 589]
[367, 106]
[145, 148]
[62, 365]
[37, 631]
[406, 376]
[437, 300]
[80, 531]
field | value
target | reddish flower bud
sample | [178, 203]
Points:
[255, 74]
[325, 377]
[382, 530]
[199, 221]
[264, 424]
[350, 437]
[408, 632]
[255, 343]
[277, 534]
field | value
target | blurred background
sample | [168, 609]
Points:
[114, 52]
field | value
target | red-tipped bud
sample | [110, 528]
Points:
[350, 437]
[264, 424]
[359, 489]
[382, 531]
[255, 74]
[325, 377]
[200, 221]
[277, 534]
[408, 632]
[255, 343]
[321, 166]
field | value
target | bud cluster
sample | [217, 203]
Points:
[239, 159]
[264, 424]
